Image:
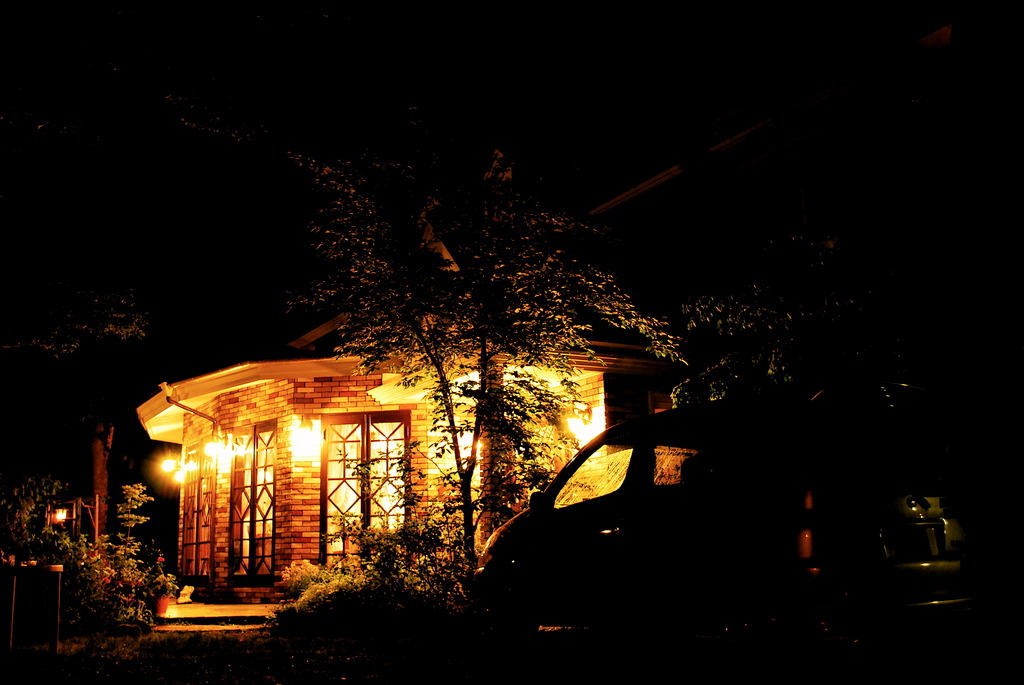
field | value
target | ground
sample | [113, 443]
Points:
[550, 656]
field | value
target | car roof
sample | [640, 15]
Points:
[897, 433]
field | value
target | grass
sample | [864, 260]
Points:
[441, 655]
[253, 656]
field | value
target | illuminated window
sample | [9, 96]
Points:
[197, 511]
[668, 463]
[252, 503]
[362, 473]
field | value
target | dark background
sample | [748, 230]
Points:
[149, 149]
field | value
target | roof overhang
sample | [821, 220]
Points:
[396, 390]
[164, 421]
[163, 414]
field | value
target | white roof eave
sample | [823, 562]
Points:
[164, 421]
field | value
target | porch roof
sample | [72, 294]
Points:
[164, 420]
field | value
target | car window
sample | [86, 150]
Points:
[601, 474]
[668, 463]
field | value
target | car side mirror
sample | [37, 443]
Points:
[540, 500]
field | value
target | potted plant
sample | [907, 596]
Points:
[162, 586]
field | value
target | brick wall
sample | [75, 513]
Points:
[290, 405]
[630, 397]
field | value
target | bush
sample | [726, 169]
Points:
[301, 575]
[23, 530]
[109, 583]
[402, 578]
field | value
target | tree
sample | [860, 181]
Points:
[52, 325]
[810, 312]
[127, 511]
[469, 290]
[58, 318]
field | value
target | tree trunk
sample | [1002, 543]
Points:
[101, 441]
[491, 449]
[488, 486]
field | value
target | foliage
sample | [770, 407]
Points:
[810, 316]
[105, 585]
[160, 583]
[402, 576]
[110, 582]
[301, 574]
[58, 319]
[23, 530]
[117, 580]
[470, 291]
[134, 497]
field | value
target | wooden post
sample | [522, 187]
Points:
[9, 620]
[56, 572]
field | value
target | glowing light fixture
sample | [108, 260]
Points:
[67, 514]
[178, 469]
[804, 544]
[587, 424]
[307, 438]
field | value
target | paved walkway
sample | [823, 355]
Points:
[197, 617]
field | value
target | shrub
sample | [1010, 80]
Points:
[116, 580]
[302, 574]
[401, 578]
[104, 584]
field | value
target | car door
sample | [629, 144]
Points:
[619, 531]
[584, 549]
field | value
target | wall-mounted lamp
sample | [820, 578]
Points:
[214, 448]
[306, 438]
[178, 468]
[586, 423]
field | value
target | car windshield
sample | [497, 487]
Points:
[602, 473]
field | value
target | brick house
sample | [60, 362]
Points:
[268, 449]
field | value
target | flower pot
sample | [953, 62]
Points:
[162, 603]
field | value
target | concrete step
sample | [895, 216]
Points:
[200, 616]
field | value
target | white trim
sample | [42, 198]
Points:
[164, 421]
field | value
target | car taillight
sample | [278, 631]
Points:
[805, 544]
[805, 538]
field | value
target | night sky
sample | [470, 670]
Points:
[142, 147]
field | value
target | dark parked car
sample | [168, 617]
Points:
[835, 512]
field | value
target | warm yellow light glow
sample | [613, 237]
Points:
[60, 515]
[179, 476]
[227, 455]
[586, 430]
[213, 449]
[169, 465]
[307, 439]
[804, 544]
